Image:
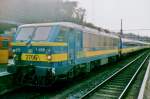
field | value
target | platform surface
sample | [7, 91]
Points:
[147, 88]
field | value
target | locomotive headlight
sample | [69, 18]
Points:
[49, 57]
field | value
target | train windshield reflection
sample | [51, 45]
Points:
[42, 33]
[25, 34]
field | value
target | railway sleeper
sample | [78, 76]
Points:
[123, 78]
[113, 88]
[103, 96]
[122, 81]
[117, 83]
[107, 91]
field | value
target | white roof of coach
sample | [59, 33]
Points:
[72, 25]
[134, 41]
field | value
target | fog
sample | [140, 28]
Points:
[107, 14]
[103, 13]
[31, 11]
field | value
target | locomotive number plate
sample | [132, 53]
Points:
[31, 57]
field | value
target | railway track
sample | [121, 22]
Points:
[116, 85]
[33, 94]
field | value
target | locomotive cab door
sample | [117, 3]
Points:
[75, 45]
[79, 44]
[71, 46]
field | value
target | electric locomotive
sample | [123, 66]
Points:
[46, 52]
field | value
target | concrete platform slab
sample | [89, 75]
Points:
[145, 88]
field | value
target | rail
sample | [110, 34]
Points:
[133, 78]
[95, 88]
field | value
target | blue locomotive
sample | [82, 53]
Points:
[46, 52]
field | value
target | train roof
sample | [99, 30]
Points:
[72, 25]
[130, 41]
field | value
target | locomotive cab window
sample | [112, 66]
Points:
[25, 33]
[42, 33]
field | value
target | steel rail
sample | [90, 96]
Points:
[96, 87]
[122, 94]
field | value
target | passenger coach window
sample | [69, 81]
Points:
[25, 33]
[42, 33]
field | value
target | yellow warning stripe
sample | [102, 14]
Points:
[18, 44]
[44, 57]
[105, 52]
[100, 52]
[64, 56]
[40, 44]
[49, 44]
[127, 50]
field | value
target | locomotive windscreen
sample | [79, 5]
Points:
[26, 33]
[41, 33]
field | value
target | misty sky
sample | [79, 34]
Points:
[107, 14]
